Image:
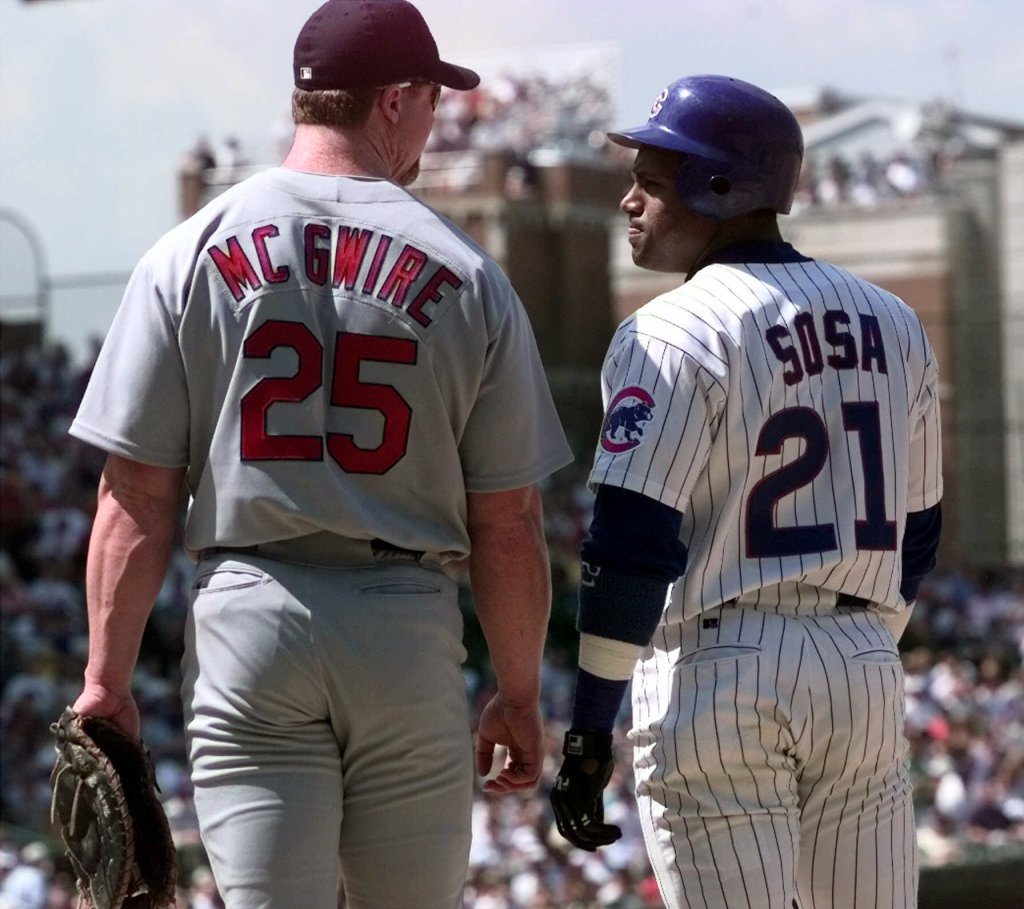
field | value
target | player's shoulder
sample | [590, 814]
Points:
[224, 213]
[281, 195]
[685, 320]
[869, 297]
[694, 306]
[458, 245]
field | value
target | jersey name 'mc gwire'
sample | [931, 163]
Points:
[347, 257]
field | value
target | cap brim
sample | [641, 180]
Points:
[457, 77]
[662, 137]
[625, 138]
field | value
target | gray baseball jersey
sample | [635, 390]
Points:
[790, 411]
[352, 374]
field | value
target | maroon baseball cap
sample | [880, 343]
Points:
[354, 43]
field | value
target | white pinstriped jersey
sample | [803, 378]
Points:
[790, 411]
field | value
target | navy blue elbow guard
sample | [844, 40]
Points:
[631, 556]
[620, 606]
[920, 544]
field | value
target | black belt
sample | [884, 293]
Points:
[842, 599]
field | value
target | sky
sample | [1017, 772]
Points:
[101, 99]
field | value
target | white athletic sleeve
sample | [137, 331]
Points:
[661, 406]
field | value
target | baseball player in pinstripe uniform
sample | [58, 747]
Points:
[335, 372]
[767, 486]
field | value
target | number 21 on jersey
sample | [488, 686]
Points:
[765, 539]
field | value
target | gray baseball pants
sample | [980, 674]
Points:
[329, 734]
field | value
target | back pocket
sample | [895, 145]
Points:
[220, 580]
[719, 652]
[400, 589]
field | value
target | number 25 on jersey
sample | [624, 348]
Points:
[347, 390]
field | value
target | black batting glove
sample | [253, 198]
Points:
[578, 794]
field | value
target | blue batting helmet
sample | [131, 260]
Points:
[743, 147]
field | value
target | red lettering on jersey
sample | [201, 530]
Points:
[349, 255]
[235, 268]
[406, 270]
[432, 293]
[375, 266]
[270, 273]
[871, 346]
[318, 256]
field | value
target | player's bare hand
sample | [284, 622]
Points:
[578, 793]
[520, 729]
[120, 709]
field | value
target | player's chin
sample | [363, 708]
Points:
[408, 176]
[640, 255]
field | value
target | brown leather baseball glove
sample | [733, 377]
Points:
[111, 819]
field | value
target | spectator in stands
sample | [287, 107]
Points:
[231, 153]
[200, 158]
[903, 176]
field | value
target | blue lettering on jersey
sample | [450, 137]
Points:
[802, 356]
[626, 420]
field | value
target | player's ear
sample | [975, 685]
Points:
[389, 102]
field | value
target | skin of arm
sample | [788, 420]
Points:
[511, 582]
[129, 551]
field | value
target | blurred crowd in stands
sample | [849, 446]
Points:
[963, 655]
[205, 156]
[523, 114]
[534, 117]
[866, 180]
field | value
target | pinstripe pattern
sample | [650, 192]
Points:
[792, 415]
[770, 762]
[701, 352]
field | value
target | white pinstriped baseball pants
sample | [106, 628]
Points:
[328, 728]
[771, 765]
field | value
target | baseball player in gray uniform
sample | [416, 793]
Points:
[767, 483]
[351, 392]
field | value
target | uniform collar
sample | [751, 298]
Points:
[755, 251]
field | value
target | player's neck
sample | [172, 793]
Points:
[322, 150]
[752, 228]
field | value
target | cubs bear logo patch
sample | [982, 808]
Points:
[626, 419]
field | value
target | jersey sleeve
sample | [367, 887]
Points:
[513, 436]
[661, 406]
[136, 402]
[924, 484]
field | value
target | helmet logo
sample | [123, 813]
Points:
[659, 103]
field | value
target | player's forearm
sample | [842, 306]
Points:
[129, 551]
[511, 581]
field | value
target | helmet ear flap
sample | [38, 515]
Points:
[685, 177]
[697, 178]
